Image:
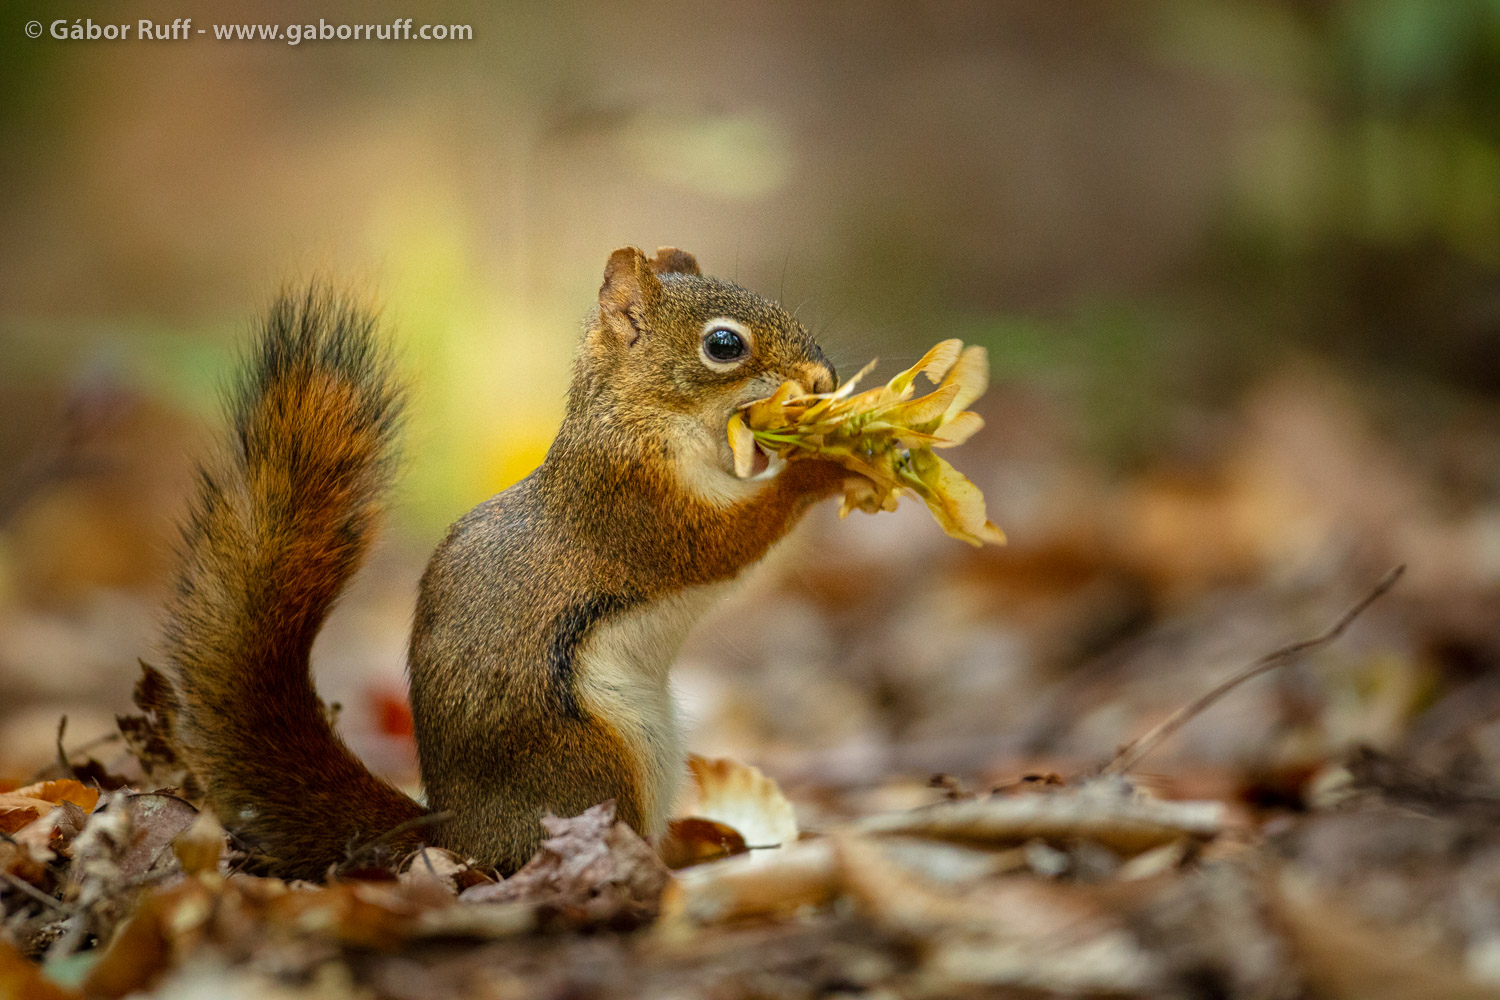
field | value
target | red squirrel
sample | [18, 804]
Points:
[547, 619]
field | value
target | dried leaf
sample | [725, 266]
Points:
[694, 841]
[51, 836]
[435, 866]
[477, 921]
[21, 861]
[377, 915]
[1014, 932]
[199, 843]
[148, 736]
[1125, 823]
[1345, 959]
[142, 949]
[99, 883]
[21, 979]
[802, 874]
[243, 915]
[28, 804]
[945, 862]
[591, 870]
[740, 796]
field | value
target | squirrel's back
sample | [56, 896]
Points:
[283, 514]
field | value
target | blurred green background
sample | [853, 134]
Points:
[1143, 209]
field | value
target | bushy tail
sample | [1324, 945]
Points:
[282, 517]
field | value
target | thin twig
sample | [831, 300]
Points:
[1132, 753]
[56, 872]
[63, 764]
[98, 741]
[372, 847]
[15, 882]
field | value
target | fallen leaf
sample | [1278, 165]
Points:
[199, 843]
[143, 948]
[21, 861]
[1127, 823]
[26, 805]
[799, 875]
[435, 866]
[1013, 932]
[591, 870]
[148, 736]
[51, 836]
[477, 921]
[1346, 960]
[694, 841]
[22, 979]
[741, 797]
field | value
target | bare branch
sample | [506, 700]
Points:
[1131, 754]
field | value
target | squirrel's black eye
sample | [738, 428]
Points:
[722, 344]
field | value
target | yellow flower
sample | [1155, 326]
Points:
[885, 435]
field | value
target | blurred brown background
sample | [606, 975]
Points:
[1237, 265]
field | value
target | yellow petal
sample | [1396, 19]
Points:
[843, 391]
[742, 443]
[863, 494]
[923, 411]
[828, 401]
[884, 435]
[772, 411]
[957, 430]
[971, 373]
[956, 503]
[934, 364]
[784, 392]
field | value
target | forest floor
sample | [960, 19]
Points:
[967, 779]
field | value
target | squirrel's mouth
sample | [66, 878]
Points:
[762, 461]
[766, 464]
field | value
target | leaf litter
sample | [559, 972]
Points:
[1089, 886]
[1096, 883]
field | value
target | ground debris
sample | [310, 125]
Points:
[1092, 887]
[1106, 812]
[591, 871]
[1311, 874]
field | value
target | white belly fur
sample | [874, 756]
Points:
[622, 677]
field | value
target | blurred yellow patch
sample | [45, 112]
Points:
[512, 458]
[885, 435]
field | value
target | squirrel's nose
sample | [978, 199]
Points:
[816, 378]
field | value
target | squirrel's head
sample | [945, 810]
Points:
[672, 348]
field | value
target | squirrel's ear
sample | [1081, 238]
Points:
[630, 289]
[670, 260]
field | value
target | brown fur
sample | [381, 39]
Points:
[514, 598]
[603, 526]
[283, 515]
